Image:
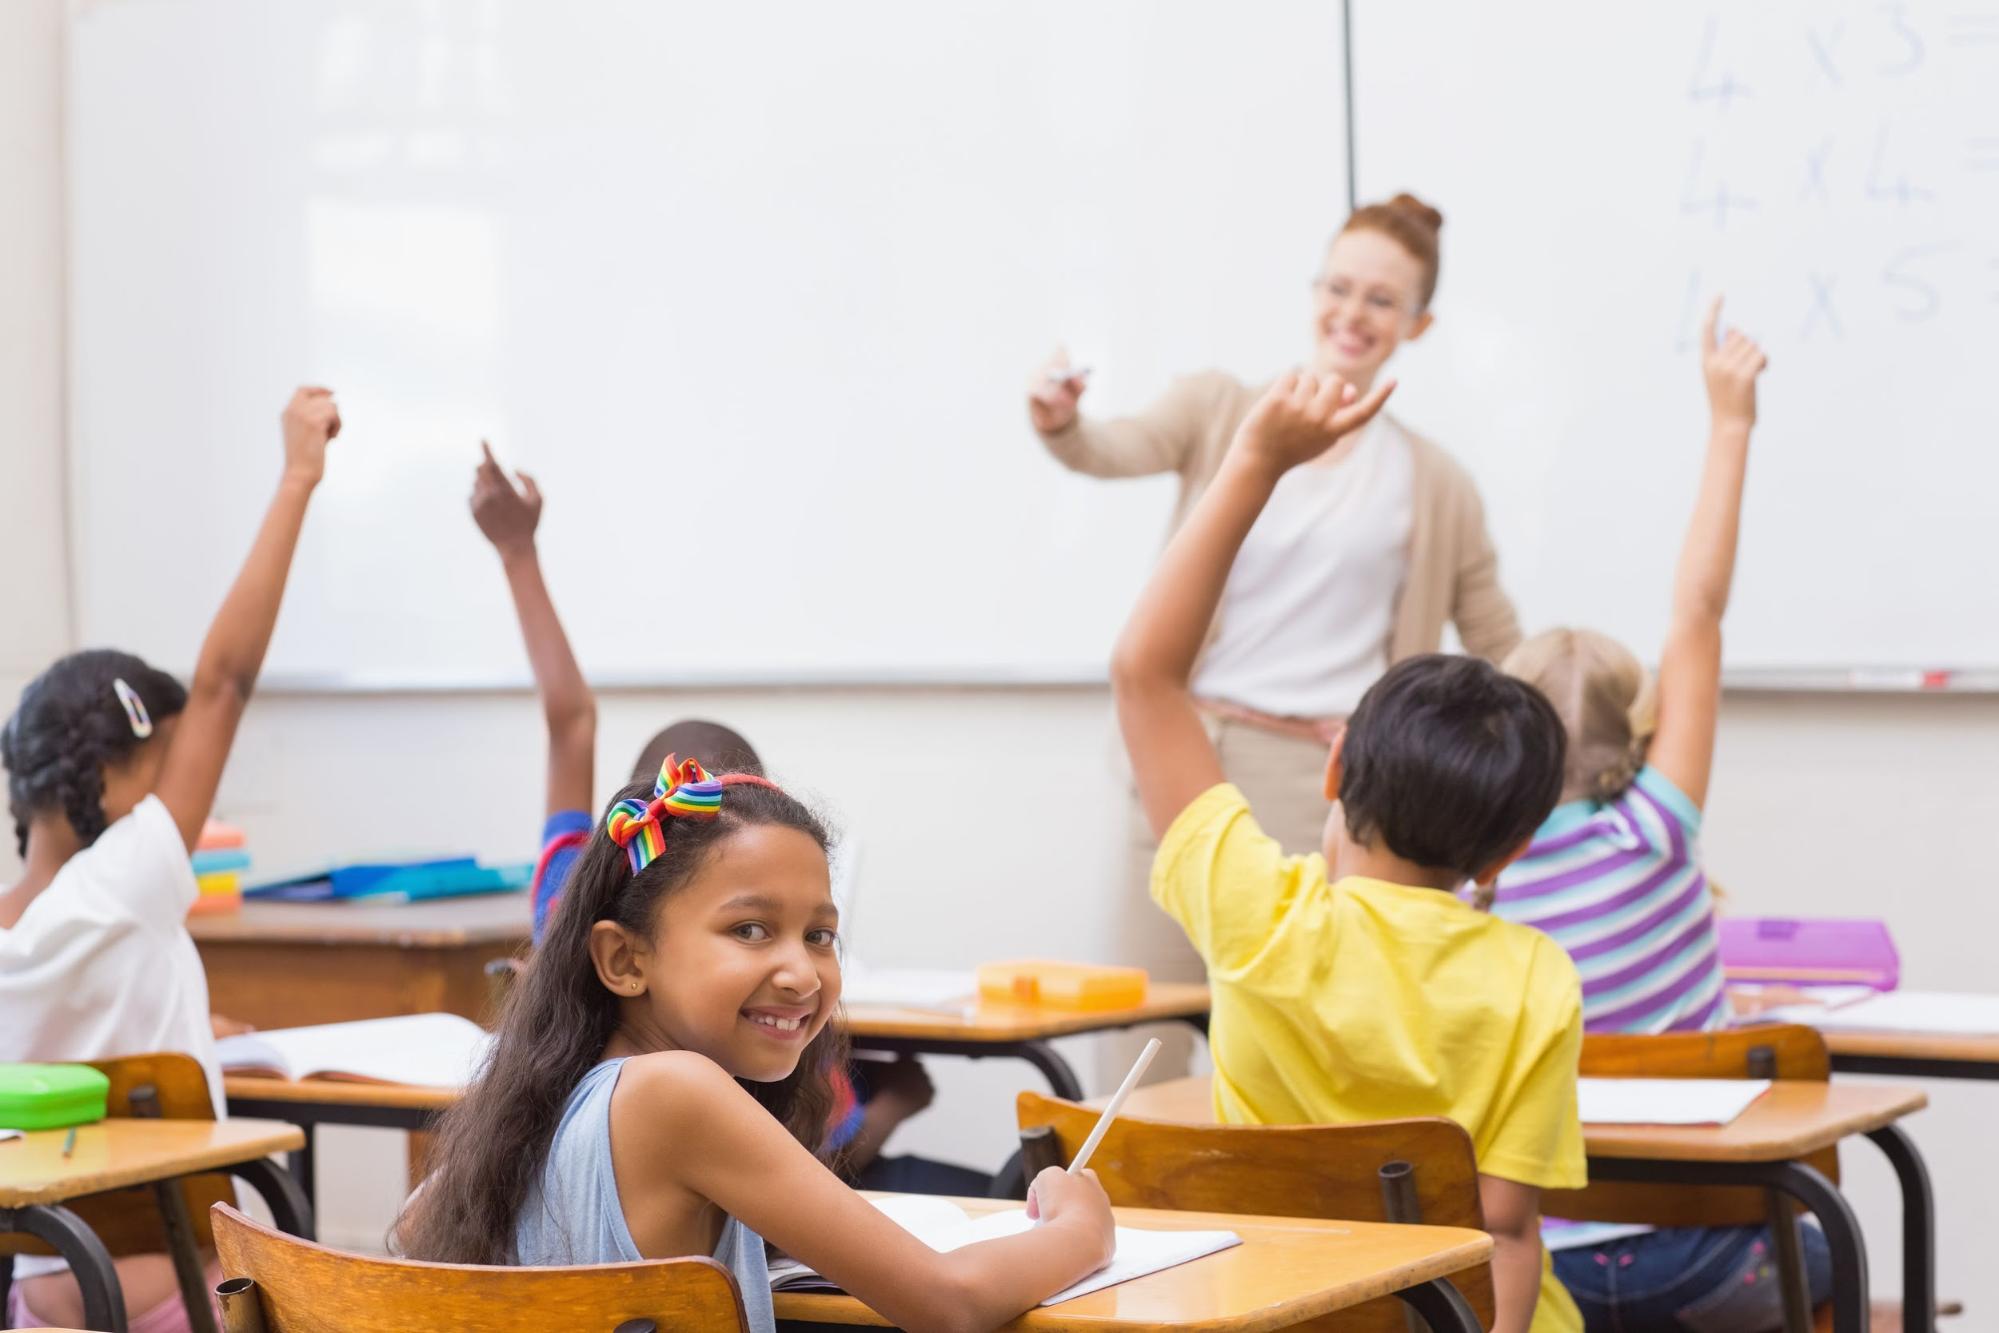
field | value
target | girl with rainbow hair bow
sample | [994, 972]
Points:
[660, 1080]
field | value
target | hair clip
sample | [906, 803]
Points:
[135, 708]
[683, 790]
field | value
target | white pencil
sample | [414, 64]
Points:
[1110, 1111]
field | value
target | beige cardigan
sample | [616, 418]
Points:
[1453, 572]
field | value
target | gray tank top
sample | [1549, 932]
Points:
[574, 1217]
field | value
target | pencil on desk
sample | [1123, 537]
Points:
[1111, 1110]
[69, 1141]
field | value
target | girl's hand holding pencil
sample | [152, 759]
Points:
[1058, 1195]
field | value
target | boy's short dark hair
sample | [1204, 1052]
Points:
[1450, 762]
[720, 749]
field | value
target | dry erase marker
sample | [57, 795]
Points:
[1063, 374]
[1110, 1111]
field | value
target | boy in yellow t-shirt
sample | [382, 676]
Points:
[1369, 991]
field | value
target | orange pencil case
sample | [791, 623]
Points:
[1062, 985]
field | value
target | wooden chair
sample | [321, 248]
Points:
[1783, 1051]
[1420, 1170]
[279, 1284]
[167, 1086]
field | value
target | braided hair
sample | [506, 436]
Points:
[68, 727]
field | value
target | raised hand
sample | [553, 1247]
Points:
[1730, 366]
[311, 419]
[506, 515]
[1053, 393]
[1304, 414]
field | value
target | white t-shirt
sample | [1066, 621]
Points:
[1306, 615]
[101, 963]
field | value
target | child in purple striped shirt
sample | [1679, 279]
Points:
[1614, 874]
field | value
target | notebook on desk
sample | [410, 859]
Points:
[427, 1050]
[944, 1226]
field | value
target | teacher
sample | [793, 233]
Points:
[1361, 556]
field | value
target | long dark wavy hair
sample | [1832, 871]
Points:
[491, 1145]
[68, 727]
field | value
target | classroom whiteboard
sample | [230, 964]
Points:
[1834, 169]
[753, 290]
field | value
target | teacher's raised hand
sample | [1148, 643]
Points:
[1302, 415]
[1053, 393]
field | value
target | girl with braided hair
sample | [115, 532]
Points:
[111, 770]
[1614, 874]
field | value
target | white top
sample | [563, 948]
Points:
[101, 963]
[1310, 601]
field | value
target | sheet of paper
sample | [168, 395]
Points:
[1139, 1252]
[1560, 1234]
[910, 988]
[944, 1226]
[1666, 1101]
[1941, 1013]
[6, 1134]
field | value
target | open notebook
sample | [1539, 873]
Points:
[944, 1226]
[431, 1050]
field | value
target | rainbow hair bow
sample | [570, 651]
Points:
[684, 790]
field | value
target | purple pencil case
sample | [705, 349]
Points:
[1810, 951]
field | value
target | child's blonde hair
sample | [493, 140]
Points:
[1606, 699]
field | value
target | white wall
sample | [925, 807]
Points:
[992, 820]
[34, 614]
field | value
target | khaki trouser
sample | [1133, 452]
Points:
[1283, 778]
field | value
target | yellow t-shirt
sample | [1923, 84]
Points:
[1365, 1000]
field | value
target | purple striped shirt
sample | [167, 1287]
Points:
[1620, 887]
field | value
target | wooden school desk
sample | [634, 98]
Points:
[1286, 1270]
[984, 1030]
[1764, 1146]
[36, 1181]
[287, 965]
[310, 1103]
[1914, 1054]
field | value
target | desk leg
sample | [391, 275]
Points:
[103, 1299]
[1919, 1228]
[1842, 1234]
[301, 1163]
[187, 1262]
[1819, 1196]
[290, 1209]
[1061, 1078]
[1442, 1307]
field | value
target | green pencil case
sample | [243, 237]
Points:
[51, 1096]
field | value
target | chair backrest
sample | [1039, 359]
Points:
[170, 1086]
[1786, 1051]
[307, 1288]
[1324, 1171]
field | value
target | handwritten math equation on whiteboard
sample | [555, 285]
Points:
[1842, 165]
